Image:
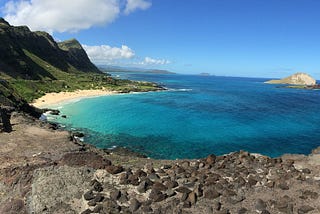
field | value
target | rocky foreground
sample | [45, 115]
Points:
[43, 170]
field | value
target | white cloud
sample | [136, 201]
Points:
[133, 5]
[122, 56]
[67, 15]
[108, 54]
[150, 61]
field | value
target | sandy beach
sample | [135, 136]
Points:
[55, 98]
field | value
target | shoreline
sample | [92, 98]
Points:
[50, 99]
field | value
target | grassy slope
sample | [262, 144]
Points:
[32, 89]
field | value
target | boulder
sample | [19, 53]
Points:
[5, 116]
[114, 169]
[134, 204]
[89, 159]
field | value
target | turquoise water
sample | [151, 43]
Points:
[199, 116]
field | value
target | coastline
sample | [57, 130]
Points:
[50, 99]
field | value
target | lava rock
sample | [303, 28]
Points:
[146, 209]
[123, 197]
[270, 184]
[171, 184]
[183, 190]
[186, 204]
[252, 181]
[159, 186]
[184, 196]
[260, 205]
[211, 194]
[153, 177]
[88, 195]
[99, 198]
[110, 206]
[98, 187]
[192, 198]
[306, 171]
[88, 159]
[140, 173]
[305, 209]
[97, 208]
[283, 205]
[185, 164]
[216, 205]
[309, 194]
[114, 169]
[92, 203]
[242, 210]
[142, 187]
[236, 199]
[170, 192]
[133, 179]
[211, 159]
[87, 211]
[134, 205]
[115, 195]
[240, 181]
[283, 185]
[166, 166]
[149, 168]
[56, 112]
[157, 196]
[198, 190]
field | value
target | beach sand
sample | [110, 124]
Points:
[51, 99]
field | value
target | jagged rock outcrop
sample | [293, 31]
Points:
[76, 55]
[31, 55]
[295, 79]
[5, 119]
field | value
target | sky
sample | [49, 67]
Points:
[252, 38]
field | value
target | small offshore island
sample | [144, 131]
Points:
[297, 80]
[47, 170]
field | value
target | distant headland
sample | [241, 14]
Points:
[108, 68]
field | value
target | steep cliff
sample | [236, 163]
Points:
[32, 55]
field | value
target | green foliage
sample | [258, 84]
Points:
[71, 81]
[33, 89]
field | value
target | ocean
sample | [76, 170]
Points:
[198, 116]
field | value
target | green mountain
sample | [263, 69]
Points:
[32, 64]
[35, 55]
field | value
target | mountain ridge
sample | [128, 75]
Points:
[32, 64]
[20, 46]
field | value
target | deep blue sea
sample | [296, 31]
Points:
[200, 115]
